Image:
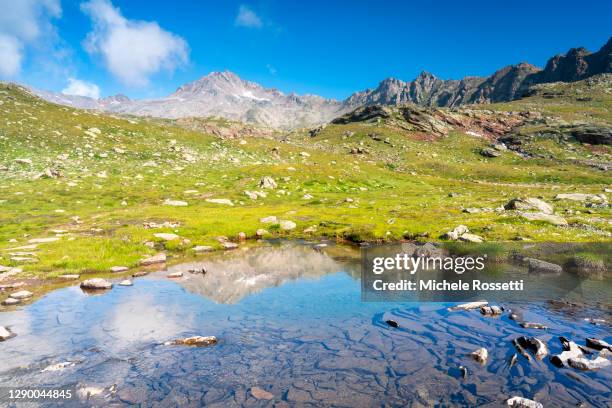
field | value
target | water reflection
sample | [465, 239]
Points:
[289, 321]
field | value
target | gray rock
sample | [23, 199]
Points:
[457, 232]
[469, 306]
[520, 402]
[126, 282]
[481, 355]
[5, 334]
[269, 220]
[581, 363]
[156, 259]
[536, 265]
[467, 237]
[550, 218]
[194, 341]
[203, 248]
[22, 294]
[166, 236]
[529, 204]
[96, 284]
[491, 310]
[486, 152]
[581, 197]
[598, 344]
[175, 275]
[117, 269]
[537, 346]
[267, 182]
[11, 301]
[286, 225]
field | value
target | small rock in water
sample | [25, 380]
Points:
[96, 284]
[537, 346]
[175, 275]
[491, 310]
[469, 306]
[198, 271]
[194, 341]
[156, 259]
[520, 402]
[261, 394]
[597, 344]
[139, 274]
[464, 371]
[117, 269]
[229, 245]
[58, 366]
[571, 350]
[22, 294]
[69, 276]
[10, 301]
[532, 325]
[536, 265]
[5, 333]
[202, 248]
[392, 323]
[513, 360]
[581, 363]
[126, 282]
[480, 355]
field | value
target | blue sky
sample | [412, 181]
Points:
[147, 48]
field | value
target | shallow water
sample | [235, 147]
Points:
[290, 321]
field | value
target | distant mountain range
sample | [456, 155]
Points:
[224, 94]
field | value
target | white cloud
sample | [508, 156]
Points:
[271, 69]
[132, 50]
[81, 88]
[21, 24]
[247, 18]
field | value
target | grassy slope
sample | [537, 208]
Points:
[397, 191]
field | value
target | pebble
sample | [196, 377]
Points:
[96, 284]
[261, 394]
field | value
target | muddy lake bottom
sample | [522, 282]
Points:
[290, 322]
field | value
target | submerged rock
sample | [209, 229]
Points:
[194, 341]
[571, 350]
[469, 306]
[261, 394]
[59, 366]
[532, 325]
[96, 284]
[392, 323]
[520, 402]
[481, 355]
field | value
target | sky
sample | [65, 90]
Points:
[148, 48]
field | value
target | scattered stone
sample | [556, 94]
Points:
[269, 220]
[22, 294]
[139, 274]
[176, 203]
[392, 323]
[310, 230]
[520, 402]
[260, 233]
[126, 282]
[194, 341]
[537, 346]
[11, 301]
[117, 269]
[581, 363]
[175, 275]
[242, 236]
[532, 325]
[261, 394]
[286, 225]
[491, 310]
[156, 259]
[457, 232]
[529, 204]
[304, 154]
[550, 218]
[87, 392]
[166, 236]
[5, 334]
[480, 355]
[571, 350]
[96, 284]
[538, 266]
[467, 237]
[598, 344]
[581, 197]
[469, 306]
[49, 173]
[268, 183]
[23, 161]
[229, 245]
[202, 248]
[223, 201]
[307, 197]
[486, 152]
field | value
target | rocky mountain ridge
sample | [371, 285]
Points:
[225, 95]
